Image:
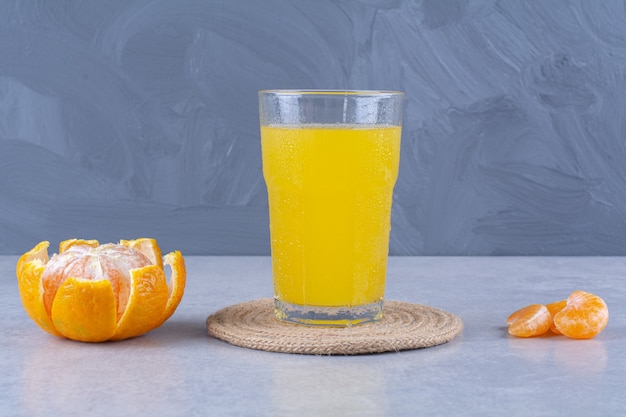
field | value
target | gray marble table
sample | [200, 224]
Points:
[177, 370]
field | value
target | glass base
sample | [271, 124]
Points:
[328, 316]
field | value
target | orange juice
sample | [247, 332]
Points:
[330, 191]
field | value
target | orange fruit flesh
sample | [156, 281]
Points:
[584, 316]
[532, 320]
[107, 262]
[554, 308]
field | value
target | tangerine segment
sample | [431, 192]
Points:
[532, 320]
[584, 316]
[146, 246]
[85, 310]
[177, 283]
[554, 308]
[30, 268]
[148, 297]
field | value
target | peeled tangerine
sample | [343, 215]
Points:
[581, 316]
[92, 293]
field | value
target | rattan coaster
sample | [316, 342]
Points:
[404, 326]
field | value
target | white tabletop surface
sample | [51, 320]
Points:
[177, 370]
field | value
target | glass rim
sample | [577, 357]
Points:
[312, 92]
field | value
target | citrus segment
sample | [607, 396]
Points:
[177, 283]
[532, 320]
[85, 310]
[148, 297]
[148, 247]
[584, 316]
[66, 244]
[29, 269]
[554, 308]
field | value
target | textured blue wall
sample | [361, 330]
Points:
[121, 119]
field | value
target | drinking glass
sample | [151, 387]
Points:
[330, 162]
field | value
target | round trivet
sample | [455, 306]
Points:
[404, 326]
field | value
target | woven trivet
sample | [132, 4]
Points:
[404, 326]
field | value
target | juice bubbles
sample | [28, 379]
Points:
[330, 190]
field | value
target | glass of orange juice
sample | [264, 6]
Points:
[330, 162]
